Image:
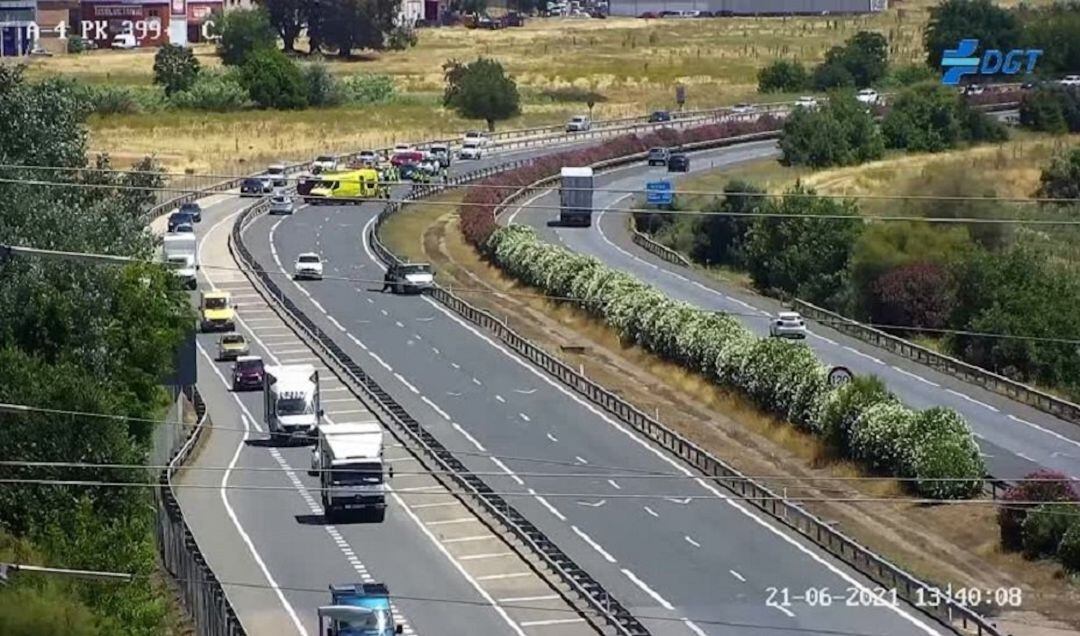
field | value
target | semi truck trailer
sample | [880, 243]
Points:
[575, 197]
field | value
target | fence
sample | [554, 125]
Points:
[949, 612]
[203, 594]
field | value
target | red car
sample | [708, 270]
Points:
[247, 373]
[409, 157]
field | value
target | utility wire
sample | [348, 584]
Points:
[120, 260]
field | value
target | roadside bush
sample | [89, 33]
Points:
[830, 76]
[845, 404]
[1043, 110]
[909, 74]
[77, 44]
[877, 436]
[401, 38]
[923, 119]
[1044, 485]
[273, 80]
[1044, 527]
[366, 88]
[110, 99]
[175, 68]
[783, 76]
[942, 456]
[1068, 551]
[839, 133]
[219, 92]
[1061, 179]
[322, 87]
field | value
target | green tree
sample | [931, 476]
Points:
[923, 119]
[273, 80]
[358, 24]
[288, 17]
[1061, 179]
[723, 236]
[243, 32]
[955, 20]
[839, 133]
[1043, 111]
[175, 68]
[782, 76]
[800, 254]
[909, 74]
[1056, 30]
[832, 75]
[864, 59]
[481, 90]
[322, 88]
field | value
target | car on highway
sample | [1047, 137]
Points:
[481, 139]
[441, 154]
[1070, 80]
[787, 324]
[678, 162]
[658, 156]
[247, 373]
[471, 149]
[806, 102]
[276, 175]
[659, 116]
[974, 89]
[183, 228]
[231, 346]
[216, 311]
[282, 204]
[255, 187]
[324, 163]
[179, 218]
[868, 96]
[743, 109]
[578, 123]
[192, 208]
[410, 278]
[368, 157]
[403, 148]
[308, 266]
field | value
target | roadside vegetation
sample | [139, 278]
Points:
[87, 339]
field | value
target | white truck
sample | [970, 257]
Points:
[181, 251]
[348, 458]
[291, 402]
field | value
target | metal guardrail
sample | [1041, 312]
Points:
[656, 249]
[978, 376]
[875, 567]
[203, 594]
[600, 608]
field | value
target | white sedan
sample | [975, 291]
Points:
[868, 96]
[787, 324]
[308, 266]
[806, 102]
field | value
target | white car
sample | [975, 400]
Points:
[368, 157]
[471, 149]
[477, 137]
[1070, 80]
[868, 96]
[183, 228]
[402, 148]
[308, 266]
[806, 102]
[324, 163]
[743, 109]
[787, 324]
[578, 123]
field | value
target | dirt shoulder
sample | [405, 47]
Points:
[954, 544]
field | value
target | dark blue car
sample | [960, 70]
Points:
[194, 209]
[180, 218]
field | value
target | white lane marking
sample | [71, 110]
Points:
[915, 376]
[552, 437]
[417, 336]
[471, 439]
[398, 323]
[523, 416]
[357, 342]
[651, 511]
[817, 558]
[486, 555]
[500, 398]
[526, 599]
[860, 353]
[692, 542]
[317, 304]
[682, 502]
[477, 382]
[332, 401]
[777, 606]
[284, 352]
[455, 365]
[436, 504]
[498, 462]
[408, 384]
[973, 400]
[614, 485]
[450, 522]
[648, 590]
[694, 628]
[552, 621]
[550, 508]
[379, 359]
[334, 322]
[580, 459]
[476, 537]
[419, 489]
[348, 412]
[524, 392]
[1045, 430]
[821, 337]
[247, 539]
[435, 407]
[592, 504]
[1023, 456]
[384, 312]
[453, 393]
[435, 350]
[738, 576]
[500, 577]
[526, 204]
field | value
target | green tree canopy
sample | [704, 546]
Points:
[839, 133]
[865, 57]
[782, 76]
[1061, 179]
[923, 119]
[175, 68]
[481, 90]
[288, 17]
[243, 32]
[273, 80]
[955, 20]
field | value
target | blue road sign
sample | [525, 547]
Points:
[659, 192]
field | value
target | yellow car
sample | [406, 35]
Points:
[231, 346]
[348, 186]
[216, 312]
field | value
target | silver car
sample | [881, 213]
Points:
[787, 324]
[281, 204]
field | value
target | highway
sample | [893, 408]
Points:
[1015, 439]
[679, 553]
[255, 511]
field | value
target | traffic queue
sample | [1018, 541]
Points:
[370, 174]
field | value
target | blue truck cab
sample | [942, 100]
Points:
[358, 609]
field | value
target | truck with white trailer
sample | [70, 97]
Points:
[576, 197]
[291, 402]
[348, 458]
[181, 252]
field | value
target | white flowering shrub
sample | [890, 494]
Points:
[877, 436]
[861, 418]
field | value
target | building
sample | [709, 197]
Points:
[18, 26]
[201, 14]
[747, 7]
[106, 22]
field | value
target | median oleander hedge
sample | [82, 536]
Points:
[933, 448]
[478, 206]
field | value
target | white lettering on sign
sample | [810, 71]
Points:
[99, 29]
